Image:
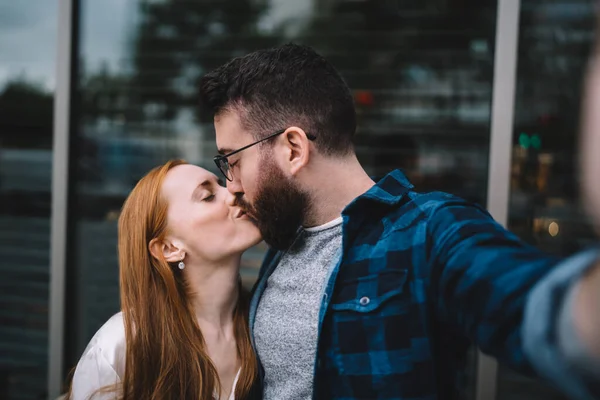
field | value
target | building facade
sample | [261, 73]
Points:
[479, 98]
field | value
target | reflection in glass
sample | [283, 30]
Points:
[27, 46]
[422, 83]
[544, 207]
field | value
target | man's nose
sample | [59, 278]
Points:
[230, 199]
[234, 187]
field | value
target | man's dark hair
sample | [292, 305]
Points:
[289, 85]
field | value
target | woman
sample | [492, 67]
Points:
[182, 332]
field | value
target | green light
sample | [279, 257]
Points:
[524, 140]
[536, 142]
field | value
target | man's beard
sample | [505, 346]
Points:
[279, 208]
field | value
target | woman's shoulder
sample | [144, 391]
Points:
[102, 364]
[112, 332]
[109, 343]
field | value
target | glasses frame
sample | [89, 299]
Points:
[223, 163]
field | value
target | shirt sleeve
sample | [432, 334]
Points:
[550, 338]
[94, 372]
[482, 275]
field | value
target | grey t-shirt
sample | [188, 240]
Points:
[286, 325]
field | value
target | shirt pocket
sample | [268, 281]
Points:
[370, 325]
[366, 294]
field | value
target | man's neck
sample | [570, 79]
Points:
[340, 181]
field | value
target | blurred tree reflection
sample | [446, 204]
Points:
[177, 41]
[25, 115]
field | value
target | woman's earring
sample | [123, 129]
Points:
[181, 264]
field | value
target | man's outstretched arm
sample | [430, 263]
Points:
[569, 352]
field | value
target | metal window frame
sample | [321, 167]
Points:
[65, 59]
[502, 123]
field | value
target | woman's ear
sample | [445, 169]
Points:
[166, 250]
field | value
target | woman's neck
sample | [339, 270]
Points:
[214, 293]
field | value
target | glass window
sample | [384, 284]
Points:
[27, 55]
[555, 37]
[421, 78]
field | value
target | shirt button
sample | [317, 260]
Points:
[364, 301]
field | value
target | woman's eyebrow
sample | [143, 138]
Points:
[202, 186]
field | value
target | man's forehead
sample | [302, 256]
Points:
[229, 133]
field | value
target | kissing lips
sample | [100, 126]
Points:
[246, 215]
[239, 213]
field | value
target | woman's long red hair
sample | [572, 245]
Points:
[166, 355]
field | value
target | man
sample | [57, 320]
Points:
[372, 290]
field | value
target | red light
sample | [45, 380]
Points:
[364, 98]
[545, 119]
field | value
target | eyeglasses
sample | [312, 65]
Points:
[223, 163]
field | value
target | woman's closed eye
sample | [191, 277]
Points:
[209, 198]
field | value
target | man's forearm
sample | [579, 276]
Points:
[587, 311]
[558, 330]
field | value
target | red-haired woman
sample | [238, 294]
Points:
[182, 332]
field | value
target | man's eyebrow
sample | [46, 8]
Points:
[225, 150]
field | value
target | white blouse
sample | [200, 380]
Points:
[103, 362]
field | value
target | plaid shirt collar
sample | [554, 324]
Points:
[389, 190]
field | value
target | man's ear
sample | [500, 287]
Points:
[166, 250]
[298, 149]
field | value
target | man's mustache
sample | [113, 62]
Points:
[246, 207]
[241, 203]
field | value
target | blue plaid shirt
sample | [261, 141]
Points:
[418, 279]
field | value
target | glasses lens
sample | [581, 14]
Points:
[223, 165]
